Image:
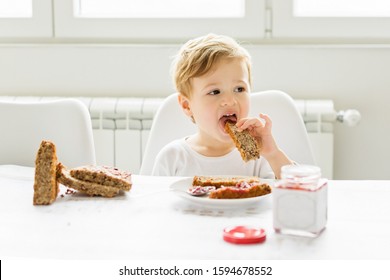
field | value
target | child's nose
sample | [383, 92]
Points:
[229, 100]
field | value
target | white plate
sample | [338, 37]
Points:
[180, 188]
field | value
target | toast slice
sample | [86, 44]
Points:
[241, 191]
[222, 181]
[45, 181]
[246, 144]
[103, 175]
[92, 189]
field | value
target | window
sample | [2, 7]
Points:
[178, 20]
[15, 8]
[159, 9]
[341, 8]
[137, 19]
[25, 18]
[362, 19]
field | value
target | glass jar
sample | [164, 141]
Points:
[300, 201]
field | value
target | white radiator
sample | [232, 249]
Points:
[318, 116]
[121, 128]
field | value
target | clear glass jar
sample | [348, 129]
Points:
[300, 201]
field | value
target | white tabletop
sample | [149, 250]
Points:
[152, 222]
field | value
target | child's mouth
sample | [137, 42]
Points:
[227, 118]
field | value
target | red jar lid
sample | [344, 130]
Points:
[244, 235]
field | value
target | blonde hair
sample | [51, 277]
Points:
[198, 56]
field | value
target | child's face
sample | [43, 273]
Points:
[221, 94]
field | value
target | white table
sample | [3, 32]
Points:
[152, 222]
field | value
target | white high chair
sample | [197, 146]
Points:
[169, 124]
[288, 128]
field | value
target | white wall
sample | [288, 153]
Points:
[353, 76]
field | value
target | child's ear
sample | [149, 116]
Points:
[185, 105]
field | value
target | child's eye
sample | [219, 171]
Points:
[239, 89]
[214, 92]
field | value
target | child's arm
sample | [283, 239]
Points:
[263, 132]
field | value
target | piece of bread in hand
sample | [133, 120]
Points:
[246, 144]
[45, 181]
[92, 189]
[103, 175]
[220, 181]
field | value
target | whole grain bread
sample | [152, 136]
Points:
[103, 175]
[89, 188]
[219, 181]
[235, 192]
[246, 144]
[45, 181]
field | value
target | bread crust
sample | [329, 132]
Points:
[219, 181]
[246, 144]
[92, 189]
[103, 175]
[236, 192]
[46, 186]
[232, 187]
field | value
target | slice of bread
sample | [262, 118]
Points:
[238, 192]
[103, 175]
[45, 181]
[92, 189]
[222, 181]
[246, 144]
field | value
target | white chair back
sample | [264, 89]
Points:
[171, 123]
[65, 122]
[288, 127]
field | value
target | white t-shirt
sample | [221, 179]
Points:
[179, 159]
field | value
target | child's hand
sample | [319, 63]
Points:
[262, 131]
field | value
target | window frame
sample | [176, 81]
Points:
[38, 26]
[284, 25]
[252, 26]
[267, 21]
